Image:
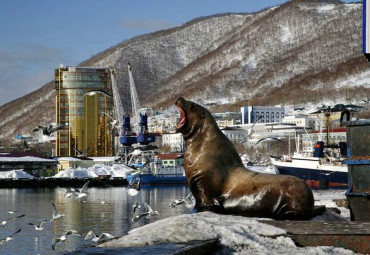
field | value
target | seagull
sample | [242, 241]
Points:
[269, 139]
[50, 129]
[114, 122]
[103, 202]
[102, 237]
[94, 92]
[135, 206]
[185, 200]
[149, 213]
[38, 226]
[9, 238]
[63, 238]
[82, 193]
[83, 153]
[11, 212]
[3, 223]
[56, 214]
[134, 188]
[250, 131]
[67, 192]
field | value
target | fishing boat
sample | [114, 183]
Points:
[320, 168]
[153, 168]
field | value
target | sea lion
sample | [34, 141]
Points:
[220, 182]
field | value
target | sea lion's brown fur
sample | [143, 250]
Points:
[220, 182]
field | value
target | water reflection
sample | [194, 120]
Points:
[114, 216]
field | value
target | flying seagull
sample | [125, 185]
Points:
[9, 238]
[250, 131]
[96, 238]
[56, 214]
[63, 237]
[3, 223]
[135, 206]
[133, 187]
[94, 92]
[83, 153]
[114, 122]
[67, 192]
[187, 201]
[39, 225]
[82, 193]
[50, 129]
[269, 139]
[149, 213]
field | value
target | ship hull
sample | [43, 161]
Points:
[315, 175]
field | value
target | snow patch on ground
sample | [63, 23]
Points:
[325, 8]
[117, 170]
[237, 234]
[15, 174]
[286, 34]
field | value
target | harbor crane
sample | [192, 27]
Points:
[140, 121]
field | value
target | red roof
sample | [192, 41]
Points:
[170, 156]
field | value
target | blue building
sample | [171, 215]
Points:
[268, 114]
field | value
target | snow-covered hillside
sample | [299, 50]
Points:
[302, 52]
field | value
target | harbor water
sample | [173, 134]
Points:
[106, 210]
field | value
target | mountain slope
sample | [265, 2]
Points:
[296, 53]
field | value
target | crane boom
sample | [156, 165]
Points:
[118, 109]
[134, 101]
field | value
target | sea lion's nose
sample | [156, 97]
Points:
[180, 99]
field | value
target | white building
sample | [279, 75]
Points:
[235, 134]
[268, 114]
[175, 141]
[226, 119]
[300, 120]
[163, 124]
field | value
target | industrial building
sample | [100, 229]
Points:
[85, 118]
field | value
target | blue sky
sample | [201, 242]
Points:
[36, 36]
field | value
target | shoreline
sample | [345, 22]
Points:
[61, 182]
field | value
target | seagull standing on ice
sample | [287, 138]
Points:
[149, 213]
[9, 238]
[63, 237]
[39, 226]
[56, 214]
[3, 223]
[96, 238]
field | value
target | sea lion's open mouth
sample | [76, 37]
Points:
[182, 120]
